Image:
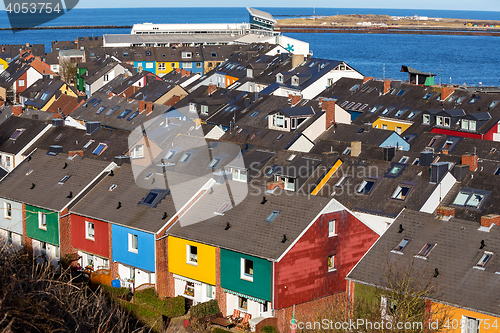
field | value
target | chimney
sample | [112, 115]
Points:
[294, 99]
[488, 220]
[91, 127]
[177, 70]
[75, 152]
[149, 108]
[329, 108]
[389, 153]
[17, 110]
[367, 78]
[471, 161]
[184, 72]
[426, 158]
[355, 148]
[211, 89]
[445, 211]
[446, 92]
[297, 59]
[387, 86]
[142, 106]
[460, 171]
[438, 170]
[320, 101]
[110, 94]
[197, 122]
[273, 185]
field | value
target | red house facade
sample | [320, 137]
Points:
[92, 239]
[308, 276]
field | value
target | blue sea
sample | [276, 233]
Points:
[457, 59]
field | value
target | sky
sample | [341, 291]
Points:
[482, 5]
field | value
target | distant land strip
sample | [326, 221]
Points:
[387, 30]
[71, 27]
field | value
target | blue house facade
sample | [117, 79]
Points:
[395, 140]
[149, 66]
[134, 251]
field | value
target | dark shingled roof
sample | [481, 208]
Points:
[101, 204]
[47, 172]
[248, 232]
[31, 129]
[457, 252]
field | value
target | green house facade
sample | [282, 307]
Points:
[246, 276]
[42, 225]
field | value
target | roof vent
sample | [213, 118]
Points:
[65, 165]
[165, 215]
[227, 226]
[119, 205]
[264, 200]
[284, 239]
[436, 272]
[70, 195]
[32, 186]
[111, 173]
[482, 245]
[400, 229]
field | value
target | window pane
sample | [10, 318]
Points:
[475, 200]
[461, 198]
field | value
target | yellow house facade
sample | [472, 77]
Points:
[398, 126]
[163, 67]
[193, 266]
[457, 320]
[3, 65]
[65, 90]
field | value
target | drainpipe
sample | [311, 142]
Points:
[273, 290]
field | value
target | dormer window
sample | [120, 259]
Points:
[279, 120]
[187, 55]
[426, 119]
[249, 72]
[468, 125]
[192, 107]
[279, 78]
[295, 81]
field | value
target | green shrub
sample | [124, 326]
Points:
[205, 309]
[170, 307]
[115, 292]
[269, 329]
[219, 330]
[145, 315]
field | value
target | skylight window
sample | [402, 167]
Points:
[291, 157]
[396, 169]
[426, 249]
[186, 157]
[133, 115]
[493, 104]
[401, 92]
[470, 198]
[484, 259]
[17, 133]
[366, 186]
[363, 107]
[474, 99]
[346, 151]
[44, 96]
[460, 100]
[113, 109]
[427, 96]
[64, 179]
[272, 216]
[124, 114]
[112, 187]
[401, 246]
[401, 192]
[376, 108]
[222, 209]
[216, 161]
[342, 181]
[154, 197]
[88, 144]
[102, 108]
[170, 155]
[354, 87]
[254, 114]
[100, 148]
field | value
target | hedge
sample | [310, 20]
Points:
[170, 307]
[115, 292]
[145, 315]
[269, 329]
[205, 309]
[219, 330]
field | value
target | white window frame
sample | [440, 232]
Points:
[20, 83]
[162, 66]
[204, 109]
[137, 151]
[472, 125]
[187, 65]
[189, 260]
[243, 275]
[192, 107]
[7, 210]
[187, 55]
[87, 229]
[426, 119]
[131, 241]
[332, 228]
[42, 221]
[466, 326]
[239, 175]
[150, 65]
[332, 267]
